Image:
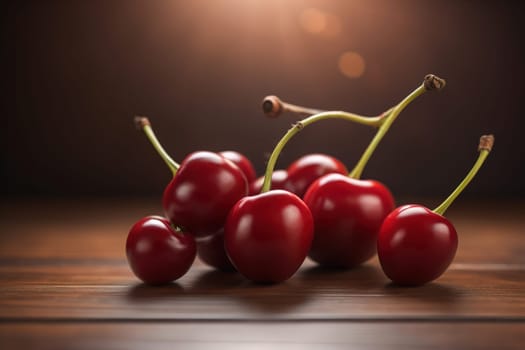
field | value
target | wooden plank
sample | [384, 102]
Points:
[255, 335]
[111, 292]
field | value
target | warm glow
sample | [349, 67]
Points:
[351, 64]
[333, 25]
[313, 20]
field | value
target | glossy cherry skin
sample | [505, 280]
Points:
[305, 170]
[267, 236]
[278, 179]
[347, 214]
[203, 191]
[210, 250]
[242, 162]
[157, 253]
[416, 245]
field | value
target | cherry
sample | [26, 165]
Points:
[204, 187]
[308, 168]
[415, 244]
[157, 253]
[242, 162]
[277, 183]
[203, 191]
[267, 236]
[347, 214]
[211, 251]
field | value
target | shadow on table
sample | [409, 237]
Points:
[276, 298]
[442, 295]
[227, 288]
[144, 292]
[359, 278]
[311, 284]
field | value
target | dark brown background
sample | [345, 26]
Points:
[80, 70]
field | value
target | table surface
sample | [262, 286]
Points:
[65, 284]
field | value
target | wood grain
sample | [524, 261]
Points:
[111, 292]
[64, 281]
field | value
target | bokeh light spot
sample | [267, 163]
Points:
[352, 64]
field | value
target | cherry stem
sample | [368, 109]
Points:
[485, 146]
[430, 82]
[144, 124]
[381, 132]
[382, 121]
[273, 107]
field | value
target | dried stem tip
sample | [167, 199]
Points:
[272, 106]
[433, 82]
[141, 122]
[486, 142]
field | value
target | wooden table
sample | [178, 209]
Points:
[65, 284]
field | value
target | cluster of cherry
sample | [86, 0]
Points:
[216, 208]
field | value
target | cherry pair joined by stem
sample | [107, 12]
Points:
[415, 244]
[157, 253]
[347, 211]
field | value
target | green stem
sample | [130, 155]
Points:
[360, 166]
[144, 124]
[484, 152]
[370, 121]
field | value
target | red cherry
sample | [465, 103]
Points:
[278, 179]
[416, 245]
[211, 251]
[308, 168]
[347, 214]
[157, 253]
[242, 162]
[267, 236]
[204, 189]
